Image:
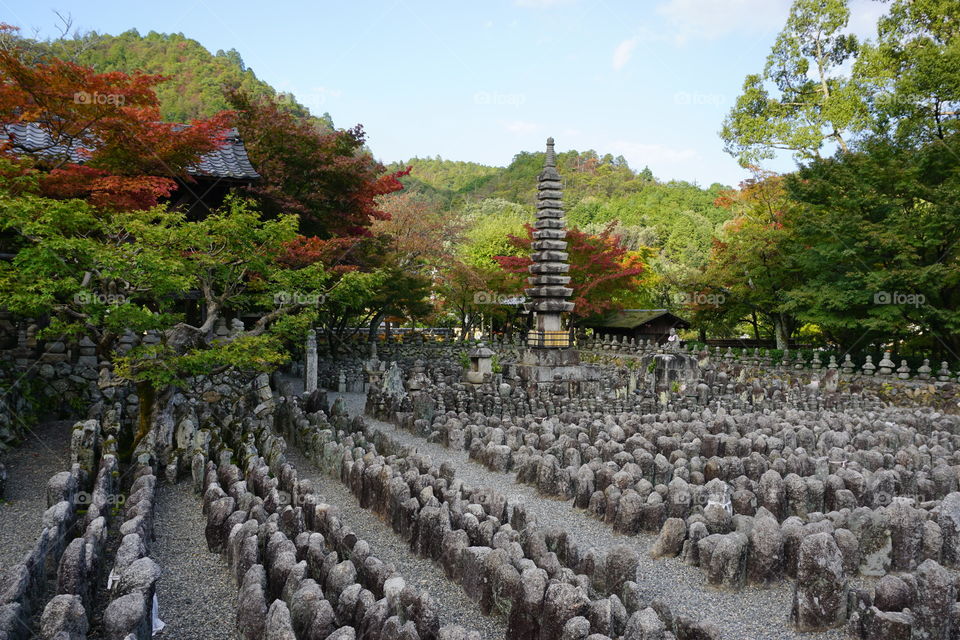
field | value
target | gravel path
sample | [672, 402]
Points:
[44, 452]
[752, 614]
[453, 607]
[196, 594]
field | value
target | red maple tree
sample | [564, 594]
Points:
[105, 140]
[601, 270]
[323, 175]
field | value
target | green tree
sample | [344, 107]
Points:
[751, 267]
[812, 103]
[878, 244]
[98, 272]
[912, 73]
[490, 223]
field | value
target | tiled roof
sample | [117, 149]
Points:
[229, 161]
[633, 318]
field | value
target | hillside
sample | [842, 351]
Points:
[195, 77]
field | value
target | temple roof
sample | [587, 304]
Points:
[229, 161]
[633, 318]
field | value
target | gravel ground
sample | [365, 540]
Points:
[196, 594]
[45, 451]
[453, 607]
[752, 614]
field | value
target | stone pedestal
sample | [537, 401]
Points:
[545, 365]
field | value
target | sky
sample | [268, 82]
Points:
[651, 80]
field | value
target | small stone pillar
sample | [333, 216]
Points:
[310, 370]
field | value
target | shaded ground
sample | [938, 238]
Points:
[196, 593]
[44, 452]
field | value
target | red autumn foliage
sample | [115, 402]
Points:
[600, 269]
[325, 176]
[336, 254]
[129, 157]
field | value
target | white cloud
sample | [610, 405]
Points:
[709, 19]
[639, 154]
[521, 126]
[542, 4]
[623, 52]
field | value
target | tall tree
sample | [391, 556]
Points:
[813, 103]
[879, 243]
[324, 176]
[751, 267]
[912, 73]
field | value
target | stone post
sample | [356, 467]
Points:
[310, 371]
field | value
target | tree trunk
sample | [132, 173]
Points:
[146, 395]
[374, 326]
[781, 330]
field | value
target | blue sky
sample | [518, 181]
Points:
[649, 79]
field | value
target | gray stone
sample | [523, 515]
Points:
[820, 595]
[140, 577]
[670, 541]
[891, 594]
[64, 619]
[561, 602]
[621, 567]
[252, 604]
[645, 625]
[936, 594]
[764, 562]
[278, 625]
[888, 625]
[577, 628]
[128, 614]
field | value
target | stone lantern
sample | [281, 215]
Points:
[481, 362]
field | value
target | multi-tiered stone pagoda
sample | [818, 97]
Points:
[550, 354]
[549, 279]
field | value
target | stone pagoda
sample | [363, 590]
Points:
[549, 290]
[549, 355]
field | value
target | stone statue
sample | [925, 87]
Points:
[673, 340]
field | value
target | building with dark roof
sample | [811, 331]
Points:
[639, 324]
[209, 182]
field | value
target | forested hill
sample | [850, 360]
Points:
[597, 190]
[196, 77]
[585, 175]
